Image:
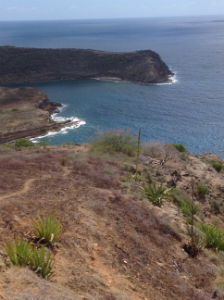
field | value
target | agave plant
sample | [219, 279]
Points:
[47, 229]
[20, 253]
[42, 263]
[156, 194]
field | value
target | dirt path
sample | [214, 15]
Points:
[22, 191]
[29, 182]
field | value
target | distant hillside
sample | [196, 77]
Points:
[21, 65]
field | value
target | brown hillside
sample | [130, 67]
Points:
[115, 244]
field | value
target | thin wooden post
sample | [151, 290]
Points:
[138, 152]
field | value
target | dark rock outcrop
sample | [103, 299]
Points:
[22, 65]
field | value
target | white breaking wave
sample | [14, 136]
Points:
[75, 123]
[173, 79]
[62, 107]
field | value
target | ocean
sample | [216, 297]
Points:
[189, 111]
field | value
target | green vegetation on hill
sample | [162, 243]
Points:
[120, 141]
[180, 147]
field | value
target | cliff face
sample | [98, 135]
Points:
[20, 65]
[25, 112]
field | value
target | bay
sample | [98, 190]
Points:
[189, 111]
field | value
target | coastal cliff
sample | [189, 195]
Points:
[23, 65]
[26, 112]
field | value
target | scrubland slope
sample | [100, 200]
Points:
[115, 244]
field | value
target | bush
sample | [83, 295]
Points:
[180, 147]
[216, 221]
[183, 202]
[202, 189]
[43, 144]
[5, 147]
[213, 236]
[115, 141]
[156, 194]
[47, 229]
[20, 254]
[159, 151]
[23, 143]
[216, 206]
[15, 109]
[217, 166]
[186, 208]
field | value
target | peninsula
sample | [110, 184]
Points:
[26, 112]
[23, 65]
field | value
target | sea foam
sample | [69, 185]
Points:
[75, 123]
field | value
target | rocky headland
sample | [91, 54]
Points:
[26, 112]
[23, 65]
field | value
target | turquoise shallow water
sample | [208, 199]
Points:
[190, 111]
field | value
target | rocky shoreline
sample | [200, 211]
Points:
[26, 113]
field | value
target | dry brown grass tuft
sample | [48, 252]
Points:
[160, 151]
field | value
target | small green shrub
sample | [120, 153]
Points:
[186, 208]
[156, 194]
[181, 200]
[216, 206]
[20, 253]
[180, 147]
[23, 143]
[123, 179]
[15, 109]
[216, 221]
[213, 237]
[115, 141]
[177, 197]
[42, 263]
[47, 229]
[43, 144]
[148, 177]
[107, 171]
[202, 189]
[217, 166]
[5, 147]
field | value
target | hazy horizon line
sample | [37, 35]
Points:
[118, 18]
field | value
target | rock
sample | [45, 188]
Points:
[183, 173]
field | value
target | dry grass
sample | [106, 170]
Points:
[114, 244]
[160, 151]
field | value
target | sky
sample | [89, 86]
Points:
[11, 10]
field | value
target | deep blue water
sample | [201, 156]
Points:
[190, 111]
